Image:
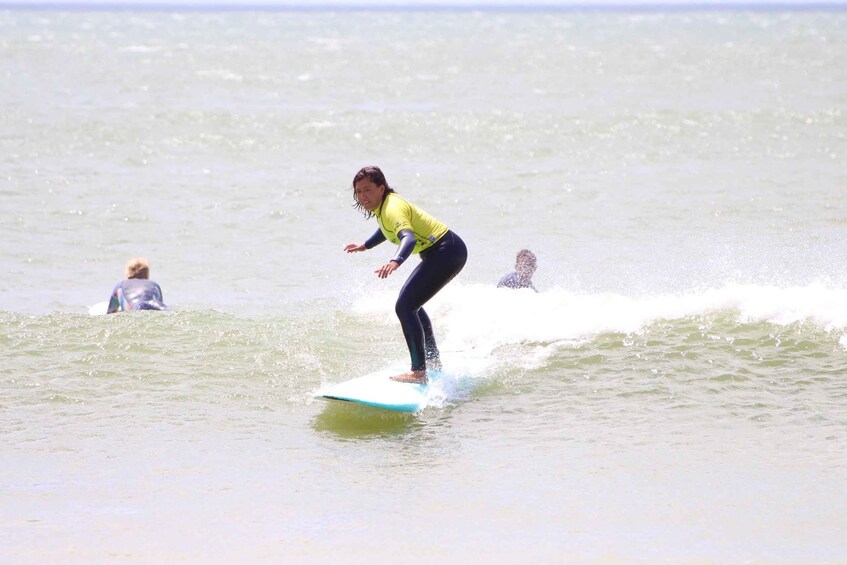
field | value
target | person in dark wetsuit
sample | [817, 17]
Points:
[521, 277]
[136, 292]
[443, 254]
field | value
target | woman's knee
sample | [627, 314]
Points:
[404, 308]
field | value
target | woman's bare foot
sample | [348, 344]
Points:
[414, 377]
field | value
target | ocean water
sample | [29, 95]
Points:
[676, 391]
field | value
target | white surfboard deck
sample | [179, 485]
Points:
[379, 391]
[99, 309]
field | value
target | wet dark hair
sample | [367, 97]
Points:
[528, 257]
[376, 176]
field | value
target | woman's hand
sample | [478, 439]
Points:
[387, 269]
[355, 247]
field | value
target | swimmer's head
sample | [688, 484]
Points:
[137, 268]
[526, 263]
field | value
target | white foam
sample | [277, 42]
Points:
[479, 318]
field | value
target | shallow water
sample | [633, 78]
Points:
[675, 392]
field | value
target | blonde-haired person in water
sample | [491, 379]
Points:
[136, 291]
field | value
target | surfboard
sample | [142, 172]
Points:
[99, 309]
[379, 391]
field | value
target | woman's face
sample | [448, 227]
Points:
[368, 194]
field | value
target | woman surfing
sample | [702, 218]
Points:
[443, 254]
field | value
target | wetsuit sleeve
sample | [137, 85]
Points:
[114, 301]
[407, 245]
[374, 240]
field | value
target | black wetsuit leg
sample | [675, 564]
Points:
[433, 358]
[439, 264]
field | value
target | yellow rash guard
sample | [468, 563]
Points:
[397, 214]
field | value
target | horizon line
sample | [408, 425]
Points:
[577, 6]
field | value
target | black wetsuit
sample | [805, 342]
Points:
[136, 294]
[439, 264]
